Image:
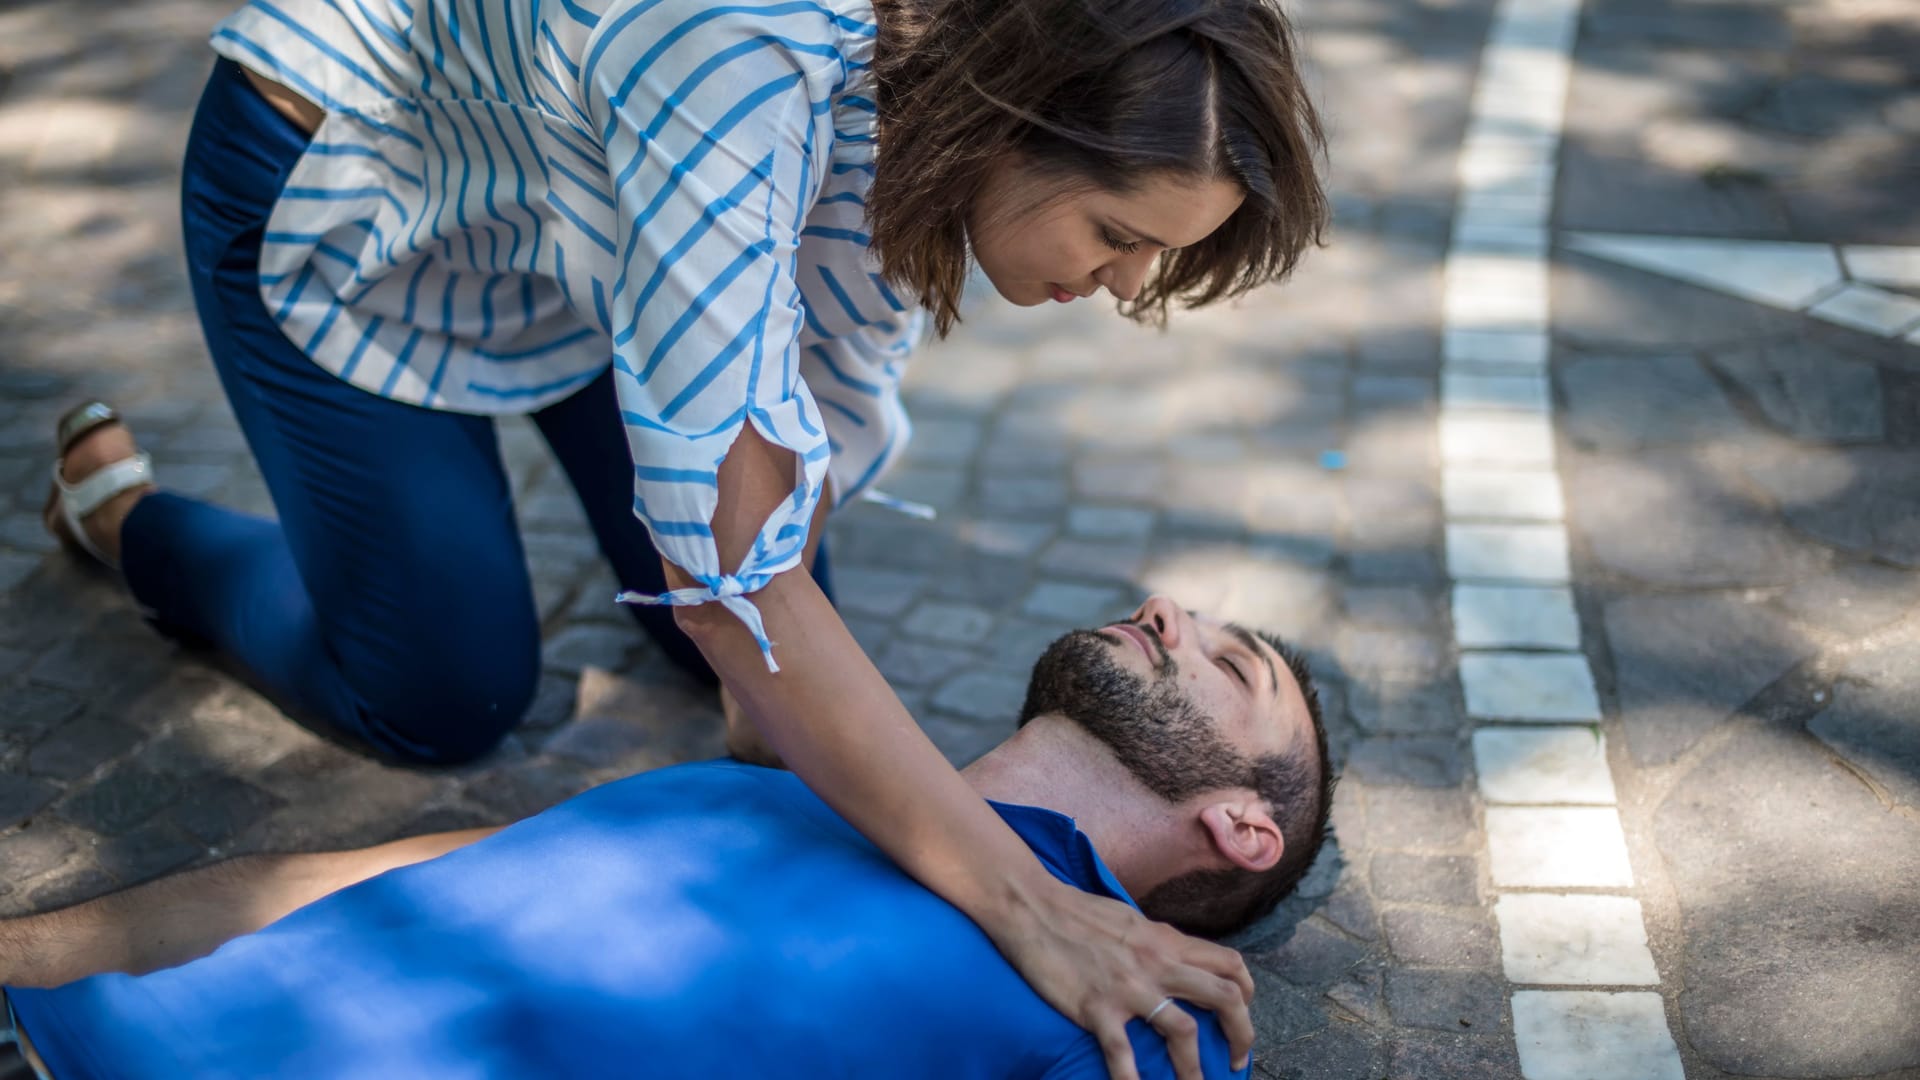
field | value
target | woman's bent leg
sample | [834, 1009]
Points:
[586, 436]
[391, 598]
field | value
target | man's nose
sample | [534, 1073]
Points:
[1164, 616]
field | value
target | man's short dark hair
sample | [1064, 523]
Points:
[1298, 789]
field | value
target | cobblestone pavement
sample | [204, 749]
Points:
[1742, 490]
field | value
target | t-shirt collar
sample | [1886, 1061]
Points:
[1063, 849]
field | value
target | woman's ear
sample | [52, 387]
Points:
[1244, 833]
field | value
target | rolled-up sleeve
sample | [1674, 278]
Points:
[708, 146]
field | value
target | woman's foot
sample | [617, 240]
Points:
[104, 445]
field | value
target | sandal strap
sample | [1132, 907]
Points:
[79, 500]
[76, 423]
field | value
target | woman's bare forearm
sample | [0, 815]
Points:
[181, 917]
[836, 722]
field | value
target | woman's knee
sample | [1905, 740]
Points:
[454, 712]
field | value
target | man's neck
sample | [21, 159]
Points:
[1057, 765]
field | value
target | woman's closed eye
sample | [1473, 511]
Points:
[1125, 247]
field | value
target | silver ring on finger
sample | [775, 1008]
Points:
[1164, 1002]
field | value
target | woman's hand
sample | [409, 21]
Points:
[1101, 963]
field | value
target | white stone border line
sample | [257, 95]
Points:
[1835, 283]
[1553, 825]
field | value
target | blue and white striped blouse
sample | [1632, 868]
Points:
[506, 193]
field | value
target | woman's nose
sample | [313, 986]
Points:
[1125, 277]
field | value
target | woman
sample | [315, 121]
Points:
[404, 218]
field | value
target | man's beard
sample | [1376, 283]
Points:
[1152, 727]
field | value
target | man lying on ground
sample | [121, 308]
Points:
[714, 919]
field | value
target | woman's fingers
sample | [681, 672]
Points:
[1226, 990]
[1223, 999]
[1182, 1034]
[1112, 1033]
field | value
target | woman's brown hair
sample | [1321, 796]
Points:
[1097, 92]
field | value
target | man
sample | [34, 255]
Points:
[714, 919]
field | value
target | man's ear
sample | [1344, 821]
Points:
[1243, 832]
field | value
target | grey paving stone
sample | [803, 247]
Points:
[1022, 494]
[114, 661]
[1396, 566]
[25, 531]
[963, 741]
[70, 885]
[43, 846]
[1710, 536]
[1816, 105]
[1600, 306]
[944, 440]
[1282, 1013]
[1121, 480]
[1852, 600]
[215, 808]
[881, 593]
[913, 663]
[1449, 938]
[526, 788]
[81, 745]
[591, 645]
[1685, 663]
[1335, 1053]
[127, 795]
[1394, 391]
[1451, 1001]
[1712, 25]
[1404, 655]
[154, 848]
[29, 710]
[1810, 391]
[23, 796]
[1397, 606]
[1865, 500]
[1314, 957]
[1099, 560]
[1083, 604]
[954, 624]
[1109, 522]
[1451, 881]
[1415, 761]
[1006, 537]
[982, 695]
[1871, 722]
[1620, 402]
[16, 567]
[1795, 890]
[986, 581]
[1394, 707]
[1019, 643]
[1363, 994]
[552, 704]
[1429, 1056]
[1419, 819]
[939, 487]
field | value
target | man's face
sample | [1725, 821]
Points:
[1186, 704]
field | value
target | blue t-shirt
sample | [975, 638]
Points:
[701, 921]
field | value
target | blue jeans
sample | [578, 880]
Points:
[391, 600]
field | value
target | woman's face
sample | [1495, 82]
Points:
[1037, 241]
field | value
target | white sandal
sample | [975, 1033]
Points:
[77, 500]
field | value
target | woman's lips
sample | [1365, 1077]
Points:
[1060, 295]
